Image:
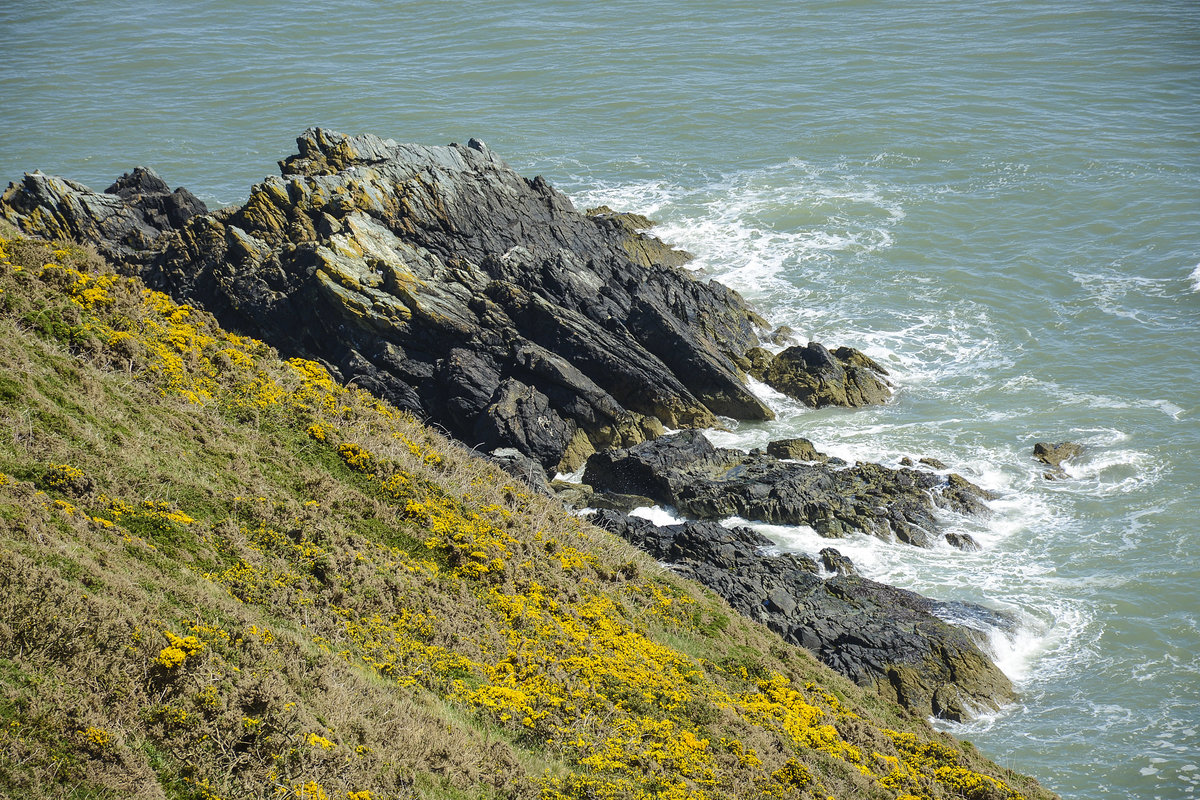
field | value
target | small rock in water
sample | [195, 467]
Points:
[963, 541]
[1052, 455]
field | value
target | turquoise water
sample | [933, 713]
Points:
[1000, 201]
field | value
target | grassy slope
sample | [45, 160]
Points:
[222, 575]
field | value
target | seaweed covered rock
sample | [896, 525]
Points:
[879, 636]
[686, 471]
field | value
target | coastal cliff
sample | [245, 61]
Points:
[481, 301]
[226, 574]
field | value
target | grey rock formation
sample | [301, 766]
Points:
[124, 222]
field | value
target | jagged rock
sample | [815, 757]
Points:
[834, 561]
[877, 635]
[523, 468]
[687, 472]
[437, 275]
[123, 222]
[817, 377]
[463, 292]
[643, 249]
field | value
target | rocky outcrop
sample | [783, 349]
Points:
[877, 635]
[818, 377]
[444, 281]
[686, 471]
[799, 449]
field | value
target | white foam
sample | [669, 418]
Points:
[571, 477]
[1111, 472]
[1167, 407]
[656, 514]
[751, 228]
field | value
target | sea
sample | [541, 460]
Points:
[997, 200]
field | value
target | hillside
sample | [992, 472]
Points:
[226, 575]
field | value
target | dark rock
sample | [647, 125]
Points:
[161, 208]
[878, 636]
[963, 541]
[687, 472]
[932, 463]
[795, 449]
[521, 417]
[817, 377]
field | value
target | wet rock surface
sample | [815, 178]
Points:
[687, 472]
[877, 635]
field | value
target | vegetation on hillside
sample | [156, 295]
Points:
[224, 575]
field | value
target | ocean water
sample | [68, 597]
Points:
[999, 201]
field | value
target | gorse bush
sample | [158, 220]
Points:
[225, 575]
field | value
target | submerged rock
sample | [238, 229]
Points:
[686, 471]
[877, 635]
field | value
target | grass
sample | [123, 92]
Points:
[222, 575]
